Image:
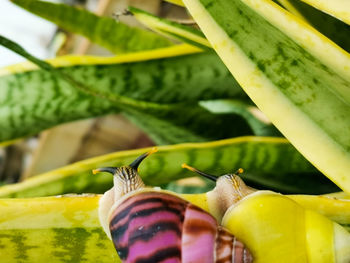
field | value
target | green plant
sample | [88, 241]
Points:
[290, 56]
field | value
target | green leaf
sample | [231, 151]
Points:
[331, 27]
[105, 31]
[31, 101]
[176, 2]
[67, 229]
[53, 229]
[260, 156]
[347, 227]
[337, 8]
[180, 187]
[298, 78]
[171, 29]
[191, 119]
[188, 123]
[259, 123]
[197, 123]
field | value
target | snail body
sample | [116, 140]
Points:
[153, 225]
[295, 233]
[275, 227]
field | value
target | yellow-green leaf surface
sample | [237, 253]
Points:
[296, 76]
[78, 60]
[336, 209]
[176, 2]
[337, 8]
[53, 229]
[67, 229]
[269, 162]
[328, 25]
[93, 90]
[171, 29]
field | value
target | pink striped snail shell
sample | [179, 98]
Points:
[153, 225]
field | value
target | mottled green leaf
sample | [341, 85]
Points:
[53, 229]
[34, 100]
[295, 75]
[328, 25]
[268, 163]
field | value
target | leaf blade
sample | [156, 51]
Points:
[53, 229]
[262, 155]
[45, 98]
[331, 27]
[323, 140]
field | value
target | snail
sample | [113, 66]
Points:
[154, 225]
[273, 226]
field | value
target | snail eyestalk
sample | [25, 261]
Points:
[111, 170]
[239, 171]
[135, 164]
[192, 169]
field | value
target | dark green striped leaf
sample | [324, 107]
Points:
[53, 229]
[258, 122]
[188, 123]
[328, 25]
[268, 163]
[295, 75]
[35, 100]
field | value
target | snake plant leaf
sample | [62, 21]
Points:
[328, 25]
[295, 75]
[188, 123]
[257, 155]
[107, 32]
[53, 229]
[198, 117]
[161, 132]
[32, 100]
[336, 209]
[337, 8]
[191, 119]
[67, 229]
[338, 195]
[171, 29]
[176, 2]
[259, 123]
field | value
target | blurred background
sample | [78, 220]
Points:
[82, 139]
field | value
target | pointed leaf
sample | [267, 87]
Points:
[337, 8]
[171, 29]
[331, 27]
[35, 100]
[298, 78]
[257, 155]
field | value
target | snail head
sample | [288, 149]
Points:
[229, 189]
[126, 178]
